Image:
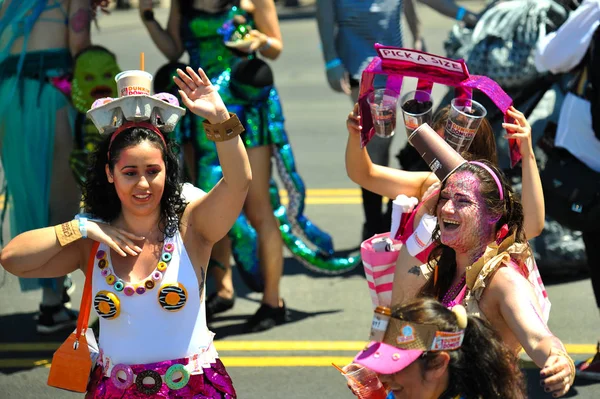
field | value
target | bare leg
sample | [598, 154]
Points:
[259, 212]
[221, 253]
[189, 161]
[64, 204]
[65, 195]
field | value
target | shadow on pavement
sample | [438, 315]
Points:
[20, 328]
[237, 328]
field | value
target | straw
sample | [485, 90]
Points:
[142, 61]
[360, 386]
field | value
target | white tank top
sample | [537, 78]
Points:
[153, 324]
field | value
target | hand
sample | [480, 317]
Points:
[432, 193]
[200, 96]
[557, 375]
[520, 130]
[419, 44]
[119, 240]
[257, 39]
[146, 5]
[337, 77]
[470, 19]
[353, 121]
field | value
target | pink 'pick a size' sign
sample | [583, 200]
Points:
[429, 69]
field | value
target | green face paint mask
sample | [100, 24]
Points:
[94, 78]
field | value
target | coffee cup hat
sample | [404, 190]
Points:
[161, 110]
[439, 155]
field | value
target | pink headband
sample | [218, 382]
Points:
[127, 125]
[491, 172]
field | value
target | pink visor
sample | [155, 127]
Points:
[386, 359]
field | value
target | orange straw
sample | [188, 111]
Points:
[360, 386]
[142, 61]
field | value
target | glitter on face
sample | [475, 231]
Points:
[466, 225]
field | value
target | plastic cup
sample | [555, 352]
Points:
[439, 155]
[417, 109]
[364, 382]
[383, 103]
[463, 121]
[133, 82]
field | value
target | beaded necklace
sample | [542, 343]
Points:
[130, 288]
[449, 299]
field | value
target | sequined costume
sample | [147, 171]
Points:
[30, 97]
[260, 111]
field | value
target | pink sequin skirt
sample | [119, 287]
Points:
[213, 383]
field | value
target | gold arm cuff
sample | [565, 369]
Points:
[224, 131]
[67, 232]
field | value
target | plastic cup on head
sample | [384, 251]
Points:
[416, 107]
[463, 121]
[383, 103]
[439, 155]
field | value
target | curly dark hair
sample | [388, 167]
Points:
[509, 211]
[483, 367]
[100, 197]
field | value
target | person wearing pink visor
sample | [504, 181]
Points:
[432, 352]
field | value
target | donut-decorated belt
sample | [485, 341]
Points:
[398, 63]
[149, 378]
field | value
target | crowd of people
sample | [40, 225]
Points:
[461, 309]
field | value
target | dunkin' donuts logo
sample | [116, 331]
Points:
[459, 131]
[447, 340]
[421, 59]
[133, 90]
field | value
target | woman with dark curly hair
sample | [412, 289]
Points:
[430, 351]
[152, 251]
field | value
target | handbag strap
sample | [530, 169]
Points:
[86, 298]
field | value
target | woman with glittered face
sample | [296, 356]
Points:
[479, 262]
[410, 273]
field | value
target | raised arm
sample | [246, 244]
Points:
[167, 40]
[379, 179]
[520, 310]
[532, 194]
[213, 215]
[80, 16]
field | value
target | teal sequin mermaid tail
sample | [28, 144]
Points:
[260, 111]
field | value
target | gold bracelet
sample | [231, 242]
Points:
[223, 131]
[558, 352]
[67, 232]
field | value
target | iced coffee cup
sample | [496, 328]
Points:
[416, 108]
[364, 382]
[463, 121]
[133, 82]
[441, 158]
[383, 103]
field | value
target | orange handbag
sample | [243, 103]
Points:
[72, 363]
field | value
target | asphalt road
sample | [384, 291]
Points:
[330, 314]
